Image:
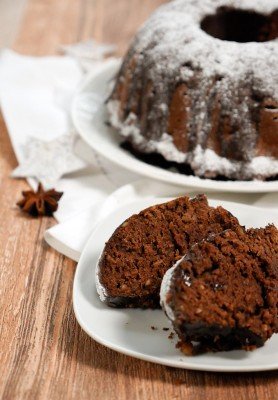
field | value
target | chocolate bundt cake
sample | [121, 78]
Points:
[223, 294]
[141, 250]
[199, 86]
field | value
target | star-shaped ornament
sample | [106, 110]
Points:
[88, 52]
[49, 161]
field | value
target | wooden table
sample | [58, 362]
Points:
[43, 352]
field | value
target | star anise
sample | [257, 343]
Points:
[39, 203]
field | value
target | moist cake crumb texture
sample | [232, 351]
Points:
[223, 295]
[146, 245]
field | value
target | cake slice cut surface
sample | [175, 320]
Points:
[146, 245]
[223, 294]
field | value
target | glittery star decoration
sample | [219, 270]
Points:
[49, 161]
[88, 51]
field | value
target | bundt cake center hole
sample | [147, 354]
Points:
[241, 26]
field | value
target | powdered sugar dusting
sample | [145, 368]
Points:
[172, 48]
[129, 130]
[164, 290]
[99, 287]
[201, 160]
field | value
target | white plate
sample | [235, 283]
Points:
[129, 331]
[89, 117]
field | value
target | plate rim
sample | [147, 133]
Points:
[141, 168]
[135, 354]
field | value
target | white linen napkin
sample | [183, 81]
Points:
[35, 98]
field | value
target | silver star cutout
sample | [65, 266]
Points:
[49, 161]
[88, 52]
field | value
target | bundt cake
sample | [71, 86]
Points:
[141, 250]
[223, 294]
[199, 86]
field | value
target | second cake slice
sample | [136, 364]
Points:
[223, 294]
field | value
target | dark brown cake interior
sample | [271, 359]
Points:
[224, 294]
[241, 26]
[141, 250]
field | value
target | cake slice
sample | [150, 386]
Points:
[223, 294]
[146, 245]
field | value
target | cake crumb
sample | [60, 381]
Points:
[154, 328]
[186, 347]
[166, 329]
[178, 381]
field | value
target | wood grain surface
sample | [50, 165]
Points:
[43, 352]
